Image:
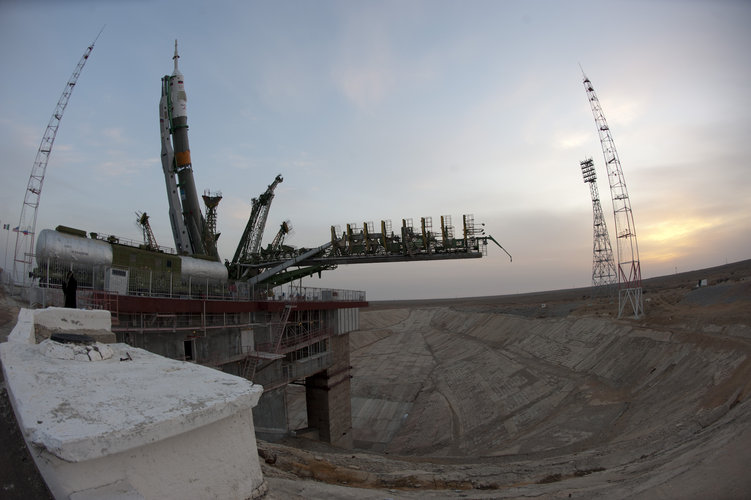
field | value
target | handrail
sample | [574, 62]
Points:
[148, 283]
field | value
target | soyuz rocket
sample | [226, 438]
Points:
[188, 224]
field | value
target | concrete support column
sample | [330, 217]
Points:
[270, 415]
[328, 399]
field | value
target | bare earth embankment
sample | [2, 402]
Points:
[543, 395]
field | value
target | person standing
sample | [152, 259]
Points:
[69, 290]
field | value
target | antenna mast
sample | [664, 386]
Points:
[629, 267]
[23, 258]
[604, 276]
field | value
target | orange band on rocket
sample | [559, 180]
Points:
[182, 158]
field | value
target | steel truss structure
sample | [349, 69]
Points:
[604, 275]
[23, 258]
[629, 267]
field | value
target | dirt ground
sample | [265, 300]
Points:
[542, 395]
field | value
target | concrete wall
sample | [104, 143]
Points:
[329, 389]
[210, 347]
[344, 320]
[328, 397]
[214, 461]
[133, 425]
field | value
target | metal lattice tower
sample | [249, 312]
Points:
[211, 200]
[629, 267]
[284, 229]
[142, 219]
[23, 258]
[604, 276]
[250, 242]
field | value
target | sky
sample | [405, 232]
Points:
[395, 110]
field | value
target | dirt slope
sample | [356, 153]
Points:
[539, 395]
[546, 394]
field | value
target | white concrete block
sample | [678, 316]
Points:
[156, 398]
[73, 319]
[119, 490]
[24, 330]
[159, 422]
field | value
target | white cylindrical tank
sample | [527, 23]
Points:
[69, 248]
[87, 252]
[203, 269]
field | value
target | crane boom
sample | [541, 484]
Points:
[250, 242]
[284, 230]
[142, 219]
[361, 246]
[24, 252]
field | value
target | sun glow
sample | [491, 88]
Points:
[670, 239]
[677, 231]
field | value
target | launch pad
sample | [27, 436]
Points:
[185, 303]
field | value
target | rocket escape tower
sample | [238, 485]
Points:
[604, 276]
[629, 268]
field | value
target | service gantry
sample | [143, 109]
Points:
[278, 264]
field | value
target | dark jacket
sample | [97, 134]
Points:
[69, 290]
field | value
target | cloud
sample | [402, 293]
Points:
[365, 84]
[117, 135]
[123, 166]
[566, 139]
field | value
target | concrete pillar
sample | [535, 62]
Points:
[327, 395]
[270, 415]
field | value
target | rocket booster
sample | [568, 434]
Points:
[179, 231]
[178, 100]
[173, 89]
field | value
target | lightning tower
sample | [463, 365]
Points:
[23, 258]
[629, 268]
[604, 275]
